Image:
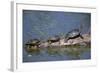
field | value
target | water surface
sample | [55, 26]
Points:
[57, 54]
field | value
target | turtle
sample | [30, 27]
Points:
[33, 43]
[75, 33]
[54, 39]
[32, 46]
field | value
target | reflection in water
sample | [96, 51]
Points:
[57, 53]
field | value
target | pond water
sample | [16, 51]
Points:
[42, 25]
[57, 54]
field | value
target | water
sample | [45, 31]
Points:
[57, 54]
[43, 25]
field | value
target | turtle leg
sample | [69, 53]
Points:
[59, 43]
[49, 43]
[37, 46]
[81, 37]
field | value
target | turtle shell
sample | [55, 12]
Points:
[73, 33]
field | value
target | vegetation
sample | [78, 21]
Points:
[71, 50]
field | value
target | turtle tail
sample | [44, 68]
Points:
[66, 40]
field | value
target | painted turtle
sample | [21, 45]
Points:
[73, 34]
[53, 39]
[33, 43]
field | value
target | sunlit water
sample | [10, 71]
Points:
[57, 54]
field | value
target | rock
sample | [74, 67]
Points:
[79, 41]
